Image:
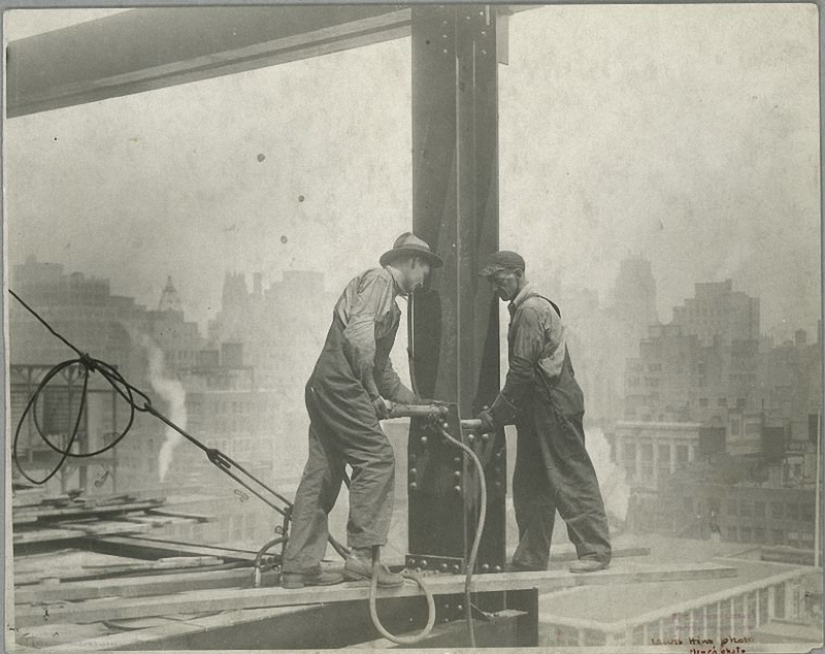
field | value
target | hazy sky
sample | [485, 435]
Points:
[689, 134]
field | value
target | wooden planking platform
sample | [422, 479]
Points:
[74, 591]
[571, 555]
[221, 600]
[154, 638]
[173, 583]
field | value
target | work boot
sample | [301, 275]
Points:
[295, 580]
[357, 568]
[588, 565]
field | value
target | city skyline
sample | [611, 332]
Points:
[257, 281]
[686, 133]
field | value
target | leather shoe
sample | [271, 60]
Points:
[357, 569]
[588, 565]
[295, 580]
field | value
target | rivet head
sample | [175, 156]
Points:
[411, 562]
[457, 460]
[457, 475]
[456, 489]
[444, 567]
[485, 568]
[485, 437]
[456, 569]
[471, 438]
[413, 486]
[424, 563]
[459, 608]
[423, 440]
[497, 568]
[413, 472]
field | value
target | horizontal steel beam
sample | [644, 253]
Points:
[221, 600]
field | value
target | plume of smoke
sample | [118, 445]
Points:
[614, 488]
[173, 392]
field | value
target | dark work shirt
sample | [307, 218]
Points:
[536, 348]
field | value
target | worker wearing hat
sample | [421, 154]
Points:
[350, 390]
[542, 397]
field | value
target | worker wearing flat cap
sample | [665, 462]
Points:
[542, 397]
[349, 392]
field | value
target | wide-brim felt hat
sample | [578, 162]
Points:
[408, 243]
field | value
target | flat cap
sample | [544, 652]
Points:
[503, 260]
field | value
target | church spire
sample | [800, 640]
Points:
[169, 299]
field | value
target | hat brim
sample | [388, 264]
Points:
[496, 267]
[433, 259]
[489, 270]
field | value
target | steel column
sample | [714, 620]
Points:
[454, 325]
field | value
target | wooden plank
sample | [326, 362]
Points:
[157, 638]
[170, 563]
[45, 536]
[616, 554]
[211, 600]
[86, 510]
[112, 528]
[145, 548]
[141, 586]
[200, 517]
[72, 531]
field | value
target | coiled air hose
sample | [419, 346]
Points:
[482, 517]
[471, 562]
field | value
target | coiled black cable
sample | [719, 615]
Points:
[89, 365]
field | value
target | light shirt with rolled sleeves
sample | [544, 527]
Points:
[370, 316]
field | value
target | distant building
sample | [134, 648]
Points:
[710, 366]
[634, 294]
[650, 452]
[169, 299]
[719, 311]
[600, 337]
[81, 309]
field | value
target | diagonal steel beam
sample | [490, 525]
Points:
[152, 48]
[156, 47]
